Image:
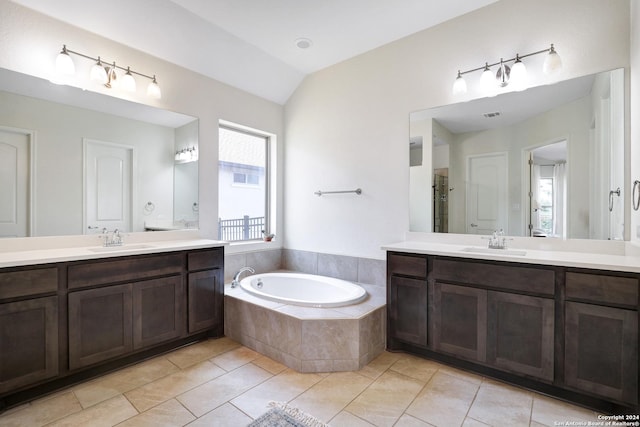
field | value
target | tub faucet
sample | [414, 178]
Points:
[236, 279]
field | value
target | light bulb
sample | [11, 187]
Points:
[459, 86]
[487, 79]
[552, 63]
[64, 63]
[128, 82]
[153, 90]
[98, 73]
[519, 74]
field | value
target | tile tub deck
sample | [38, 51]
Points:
[309, 339]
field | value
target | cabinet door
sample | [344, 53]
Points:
[206, 294]
[408, 310]
[28, 342]
[158, 311]
[459, 320]
[601, 346]
[520, 334]
[100, 325]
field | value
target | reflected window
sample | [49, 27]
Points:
[243, 168]
[545, 205]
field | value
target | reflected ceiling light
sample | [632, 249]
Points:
[517, 74]
[186, 155]
[106, 74]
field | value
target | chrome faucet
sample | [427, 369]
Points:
[497, 240]
[236, 279]
[113, 238]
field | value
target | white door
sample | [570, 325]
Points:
[108, 175]
[487, 193]
[14, 183]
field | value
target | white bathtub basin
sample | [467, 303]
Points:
[123, 248]
[304, 289]
[516, 252]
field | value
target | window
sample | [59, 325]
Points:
[545, 205]
[244, 178]
[243, 172]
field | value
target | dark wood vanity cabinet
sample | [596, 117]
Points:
[117, 318]
[74, 318]
[206, 291]
[407, 297]
[520, 334]
[497, 314]
[100, 325]
[564, 331]
[459, 320]
[601, 340]
[28, 326]
[114, 320]
[158, 309]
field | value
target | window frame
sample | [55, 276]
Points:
[267, 173]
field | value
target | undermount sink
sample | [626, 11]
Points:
[515, 252]
[120, 248]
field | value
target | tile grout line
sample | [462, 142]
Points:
[475, 396]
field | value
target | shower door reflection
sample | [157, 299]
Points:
[441, 200]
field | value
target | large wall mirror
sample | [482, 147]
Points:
[75, 162]
[544, 162]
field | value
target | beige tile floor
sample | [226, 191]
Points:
[221, 383]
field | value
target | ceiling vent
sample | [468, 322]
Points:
[492, 115]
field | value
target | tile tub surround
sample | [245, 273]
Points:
[309, 339]
[353, 269]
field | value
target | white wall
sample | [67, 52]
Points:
[29, 43]
[347, 126]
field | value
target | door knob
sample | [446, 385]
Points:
[474, 225]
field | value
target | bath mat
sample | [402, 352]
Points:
[283, 415]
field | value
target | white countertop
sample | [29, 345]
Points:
[614, 262]
[62, 254]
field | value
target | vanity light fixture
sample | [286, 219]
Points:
[186, 155]
[505, 74]
[128, 82]
[106, 74]
[99, 73]
[64, 63]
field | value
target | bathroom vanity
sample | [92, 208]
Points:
[80, 312]
[553, 325]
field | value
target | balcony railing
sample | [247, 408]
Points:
[238, 229]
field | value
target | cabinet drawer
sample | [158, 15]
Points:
[123, 269]
[203, 260]
[602, 288]
[525, 279]
[28, 282]
[407, 265]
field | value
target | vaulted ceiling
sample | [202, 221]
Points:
[251, 44]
